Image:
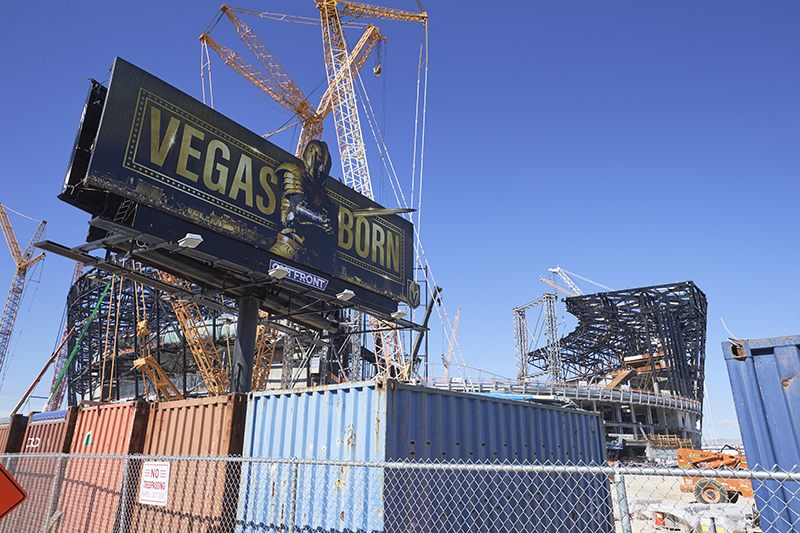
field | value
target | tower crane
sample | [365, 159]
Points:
[24, 260]
[276, 83]
[342, 66]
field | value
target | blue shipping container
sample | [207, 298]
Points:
[391, 421]
[765, 383]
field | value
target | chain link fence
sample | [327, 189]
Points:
[137, 494]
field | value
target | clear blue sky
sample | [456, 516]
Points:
[634, 143]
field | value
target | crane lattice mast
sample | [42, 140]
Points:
[553, 348]
[24, 261]
[342, 66]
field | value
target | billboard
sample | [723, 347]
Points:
[161, 148]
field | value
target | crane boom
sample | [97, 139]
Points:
[555, 286]
[361, 51]
[450, 347]
[279, 88]
[357, 10]
[199, 339]
[24, 261]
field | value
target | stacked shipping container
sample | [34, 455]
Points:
[210, 427]
[392, 421]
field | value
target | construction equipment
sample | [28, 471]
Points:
[551, 330]
[714, 490]
[342, 67]
[571, 284]
[199, 339]
[24, 261]
[450, 347]
[58, 396]
[266, 342]
[39, 377]
[275, 82]
[555, 286]
[161, 382]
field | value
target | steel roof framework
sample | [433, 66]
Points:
[666, 322]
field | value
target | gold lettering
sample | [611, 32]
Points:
[345, 228]
[243, 180]
[262, 179]
[159, 150]
[393, 251]
[187, 151]
[378, 241]
[362, 236]
[213, 147]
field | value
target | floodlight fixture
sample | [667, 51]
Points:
[191, 240]
[397, 315]
[345, 295]
[278, 272]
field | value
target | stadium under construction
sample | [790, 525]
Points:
[217, 262]
[636, 356]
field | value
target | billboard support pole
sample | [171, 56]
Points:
[245, 345]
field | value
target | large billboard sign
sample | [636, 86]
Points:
[159, 147]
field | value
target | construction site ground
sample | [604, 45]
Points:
[660, 488]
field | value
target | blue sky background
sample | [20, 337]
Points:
[634, 143]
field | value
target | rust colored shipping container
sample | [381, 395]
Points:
[214, 427]
[46, 433]
[12, 431]
[91, 494]
[50, 432]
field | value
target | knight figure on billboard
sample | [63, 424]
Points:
[305, 206]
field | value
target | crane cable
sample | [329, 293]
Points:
[20, 214]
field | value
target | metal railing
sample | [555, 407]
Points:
[477, 380]
[132, 494]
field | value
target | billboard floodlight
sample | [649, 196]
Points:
[397, 315]
[191, 240]
[345, 295]
[278, 272]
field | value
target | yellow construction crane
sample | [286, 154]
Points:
[199, 339]
[555, 286]
[275, 82]
[342, 67]
[266, 341]
[24, 261]
[161, 382]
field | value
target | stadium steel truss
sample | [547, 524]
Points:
[658, 331]
[135, 318]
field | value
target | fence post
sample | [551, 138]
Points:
[293, 501]
[56, 478]
[622, 500]
[124, 495]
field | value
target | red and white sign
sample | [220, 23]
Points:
[154, 484]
